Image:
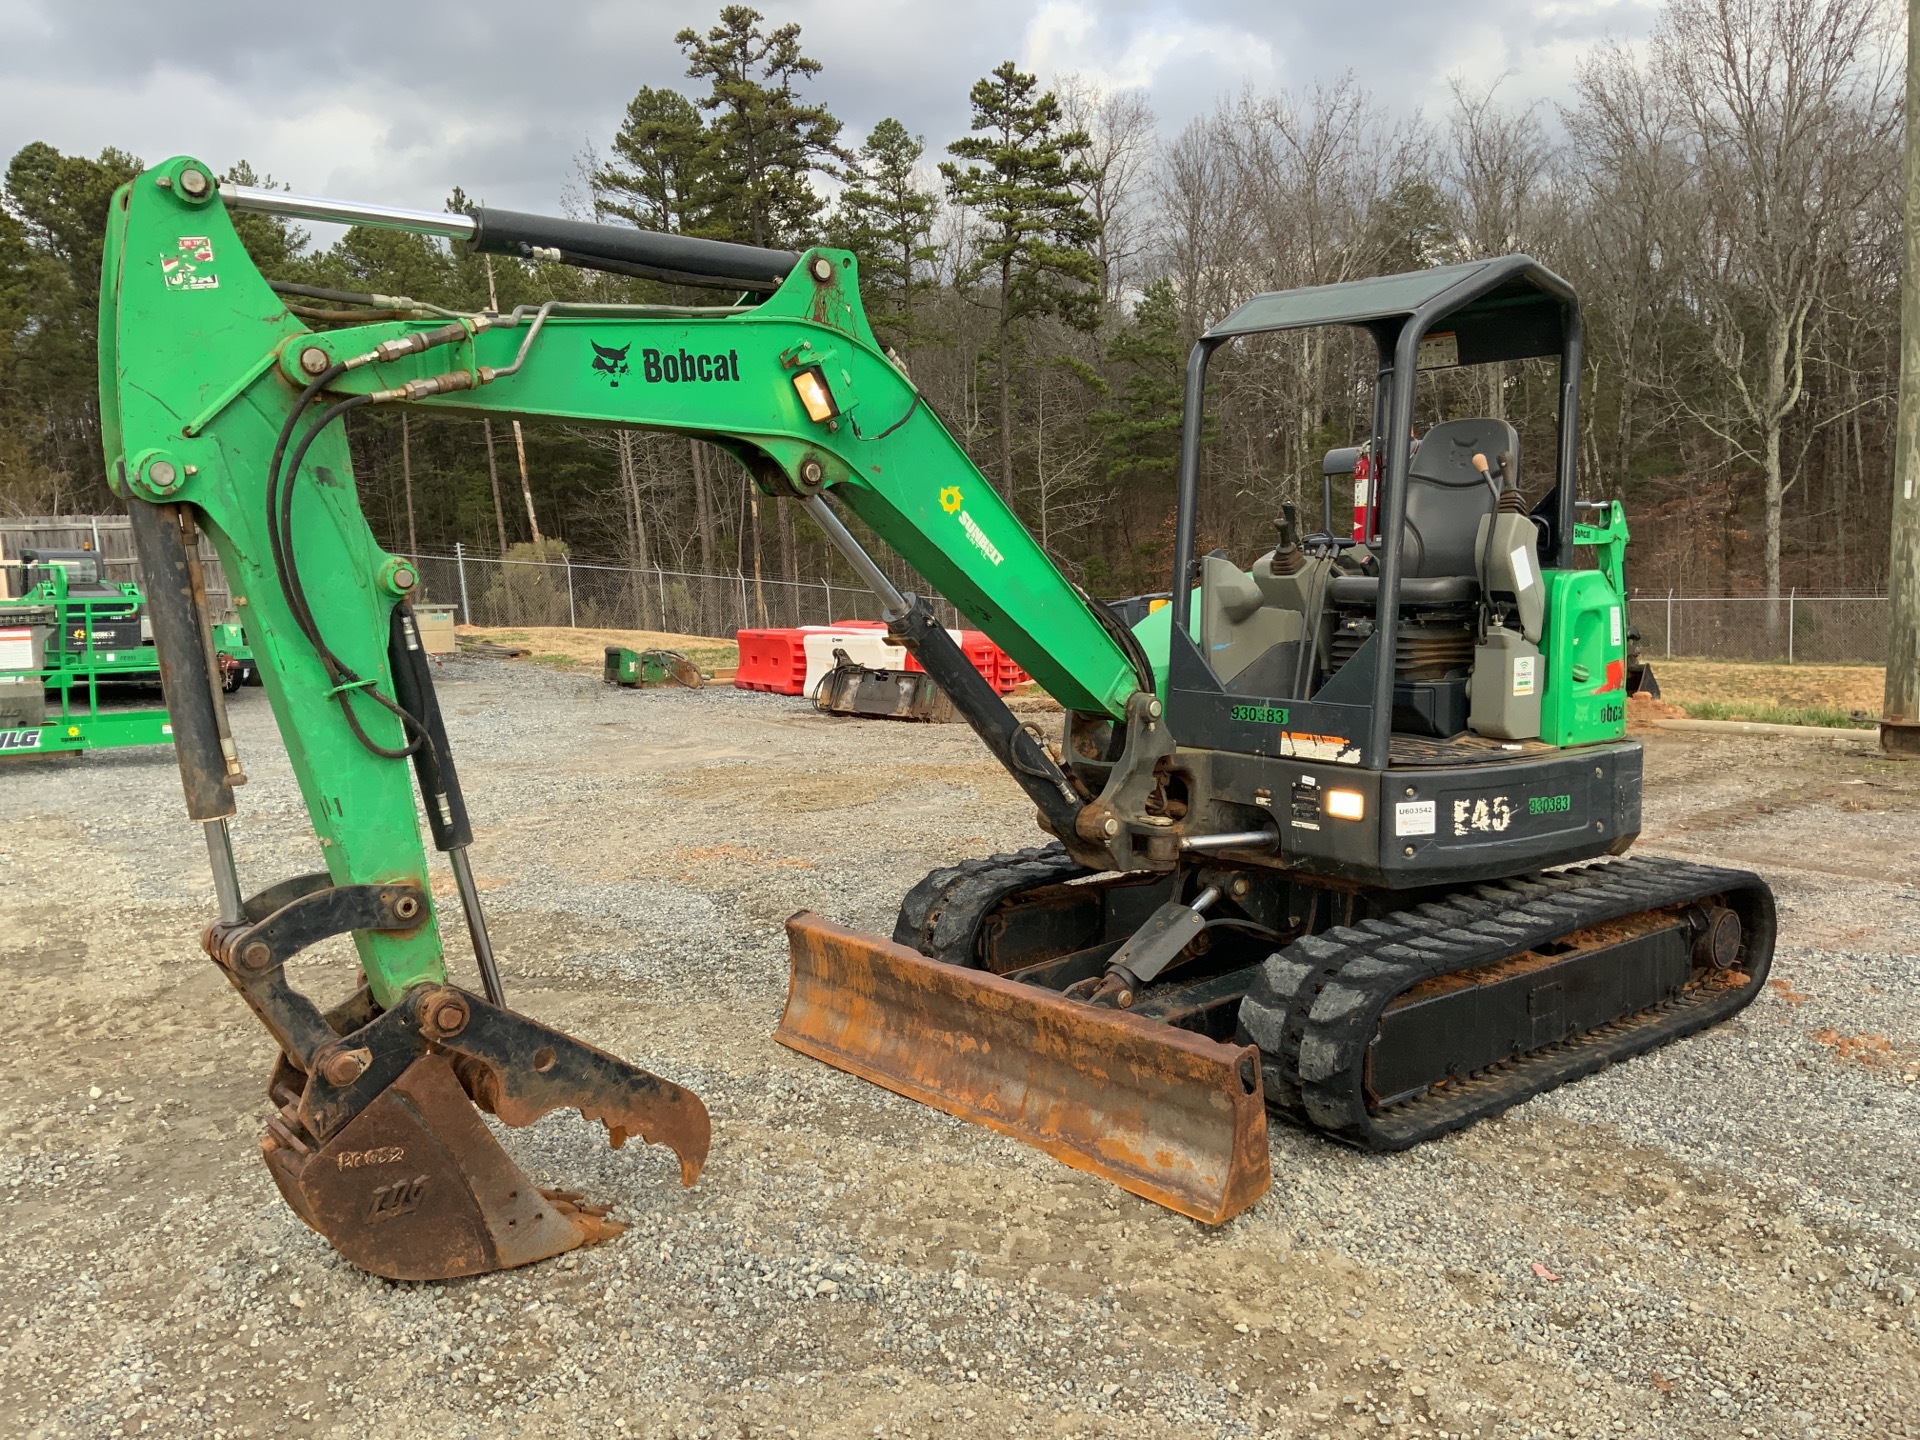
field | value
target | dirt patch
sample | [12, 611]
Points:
[1643, 710]
[589, 647]
[1873, 1051]
[1835, 687]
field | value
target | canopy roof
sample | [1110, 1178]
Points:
[1503, 309]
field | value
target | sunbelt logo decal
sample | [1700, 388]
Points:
[951, 502]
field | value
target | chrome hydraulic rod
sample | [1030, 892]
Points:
[476, 925]
[1231, 840]
[843, 541]
[226, 877]
[349, 212]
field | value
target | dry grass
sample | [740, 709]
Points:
[1728, 690]
[559, 645]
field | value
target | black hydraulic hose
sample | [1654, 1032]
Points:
[1129, 643]
[280, 524]
[1306, 660]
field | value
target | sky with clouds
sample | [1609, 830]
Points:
[400, 101]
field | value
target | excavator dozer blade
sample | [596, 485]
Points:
[415, 1187]
[1169, 1115]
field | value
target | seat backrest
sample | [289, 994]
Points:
[1446, 496]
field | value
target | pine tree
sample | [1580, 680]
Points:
[886, 219]
[763, 142]
[1140, 431]
[656, 176]
[1140, 434]
[1038, 238]
[61, 204]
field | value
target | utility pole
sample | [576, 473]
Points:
[519, 440]
[493, 478]
[1900, 729]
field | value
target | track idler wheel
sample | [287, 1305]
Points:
[380, 1149]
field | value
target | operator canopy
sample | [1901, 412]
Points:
[1510, 308]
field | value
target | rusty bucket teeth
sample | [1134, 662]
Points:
[1164, 1113]
[413, 1185]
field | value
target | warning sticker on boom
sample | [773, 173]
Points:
[191, 267]
[1438, 352]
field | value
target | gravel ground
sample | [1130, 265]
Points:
[1716, 1240]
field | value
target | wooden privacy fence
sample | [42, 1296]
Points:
[111, 537]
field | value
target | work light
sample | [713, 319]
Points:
[814, 394]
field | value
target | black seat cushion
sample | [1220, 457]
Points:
[1414, 589]
[1448, 496]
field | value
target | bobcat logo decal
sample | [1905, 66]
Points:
[610, 363]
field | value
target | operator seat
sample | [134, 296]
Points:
[1446, 498]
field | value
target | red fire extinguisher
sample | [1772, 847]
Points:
[1362, 494]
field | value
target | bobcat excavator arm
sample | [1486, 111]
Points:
[221, 413]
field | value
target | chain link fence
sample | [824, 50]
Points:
[489, 591]
[1793, 629]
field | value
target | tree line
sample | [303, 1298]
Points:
[1725, 197]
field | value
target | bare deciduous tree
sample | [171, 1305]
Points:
[1783, 106]
[1116, 166]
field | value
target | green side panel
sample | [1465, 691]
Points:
[108, 730]
[1585, 645]
[188, 339]
[1155, 633]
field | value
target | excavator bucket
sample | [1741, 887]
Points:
[854, 689]
[1169, 1115]
[412, 1185]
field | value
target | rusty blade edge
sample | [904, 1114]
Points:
[1161, 1052]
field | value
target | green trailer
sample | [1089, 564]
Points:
[73, 654]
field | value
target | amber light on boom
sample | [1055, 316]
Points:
[814, 394]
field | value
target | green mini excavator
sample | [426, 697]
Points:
[1320, 827]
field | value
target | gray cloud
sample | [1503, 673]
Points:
[399, 102]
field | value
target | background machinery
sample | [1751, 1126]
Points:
[69, 640]
[638, 668]
[1308, 818]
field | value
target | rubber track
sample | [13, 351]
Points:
[1316, 1004]
[942, 915]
